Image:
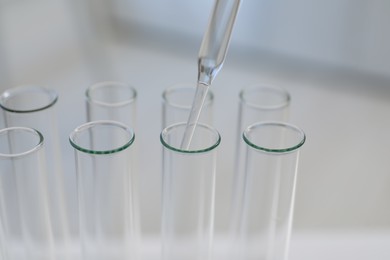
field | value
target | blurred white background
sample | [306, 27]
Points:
[332, 56]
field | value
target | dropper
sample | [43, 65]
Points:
[211, 56]
[216, 40]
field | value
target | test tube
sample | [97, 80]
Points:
[23, 186]
[112, 100]
[256, 103]
[117, 101]
[188, 193]
[34, 106]
[105, 187]
[266, 214]
[177, 102]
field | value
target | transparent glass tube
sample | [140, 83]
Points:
[262, 103]
[105, 188]
[188, 193]
[266, 212]
[34, 106]
[177, 103]
[117, 101]
[23, 186]
[112, 100]
[256, 103]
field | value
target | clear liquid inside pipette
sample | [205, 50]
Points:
[211, 57]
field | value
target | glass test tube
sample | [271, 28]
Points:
[105, 187]
[34, 106]
[262, 103]
[177, 103]
[266, 214]
[256, 103]
[117, 101]
[188, 193]
[112, 100]
[23, 185]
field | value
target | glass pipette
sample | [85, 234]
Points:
[211, 56]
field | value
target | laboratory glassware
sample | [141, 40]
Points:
[216, 40]
[188, 191]
[112, 100]
[105, 187]
[117, 101]
[211, 56]
[177, 101]
[266, 212]
[23, 186]
[256, 103]
[34, 106]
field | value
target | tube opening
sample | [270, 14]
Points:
[25, 99]
[102, 137]
[274, 137]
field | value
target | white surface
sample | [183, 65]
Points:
[324, 245]
[356, 245]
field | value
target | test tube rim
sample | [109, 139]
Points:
[209, 100]
[101, 122]
[37, 147]
[275, 89]
[107, 104]
[199, 151]
[275, 150]
[8, 93]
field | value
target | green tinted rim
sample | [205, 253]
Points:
[53, 97]
[38, 146]
[101, 123]
[279, 124]
[255, 88]
[207, 149]
[108, 84]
